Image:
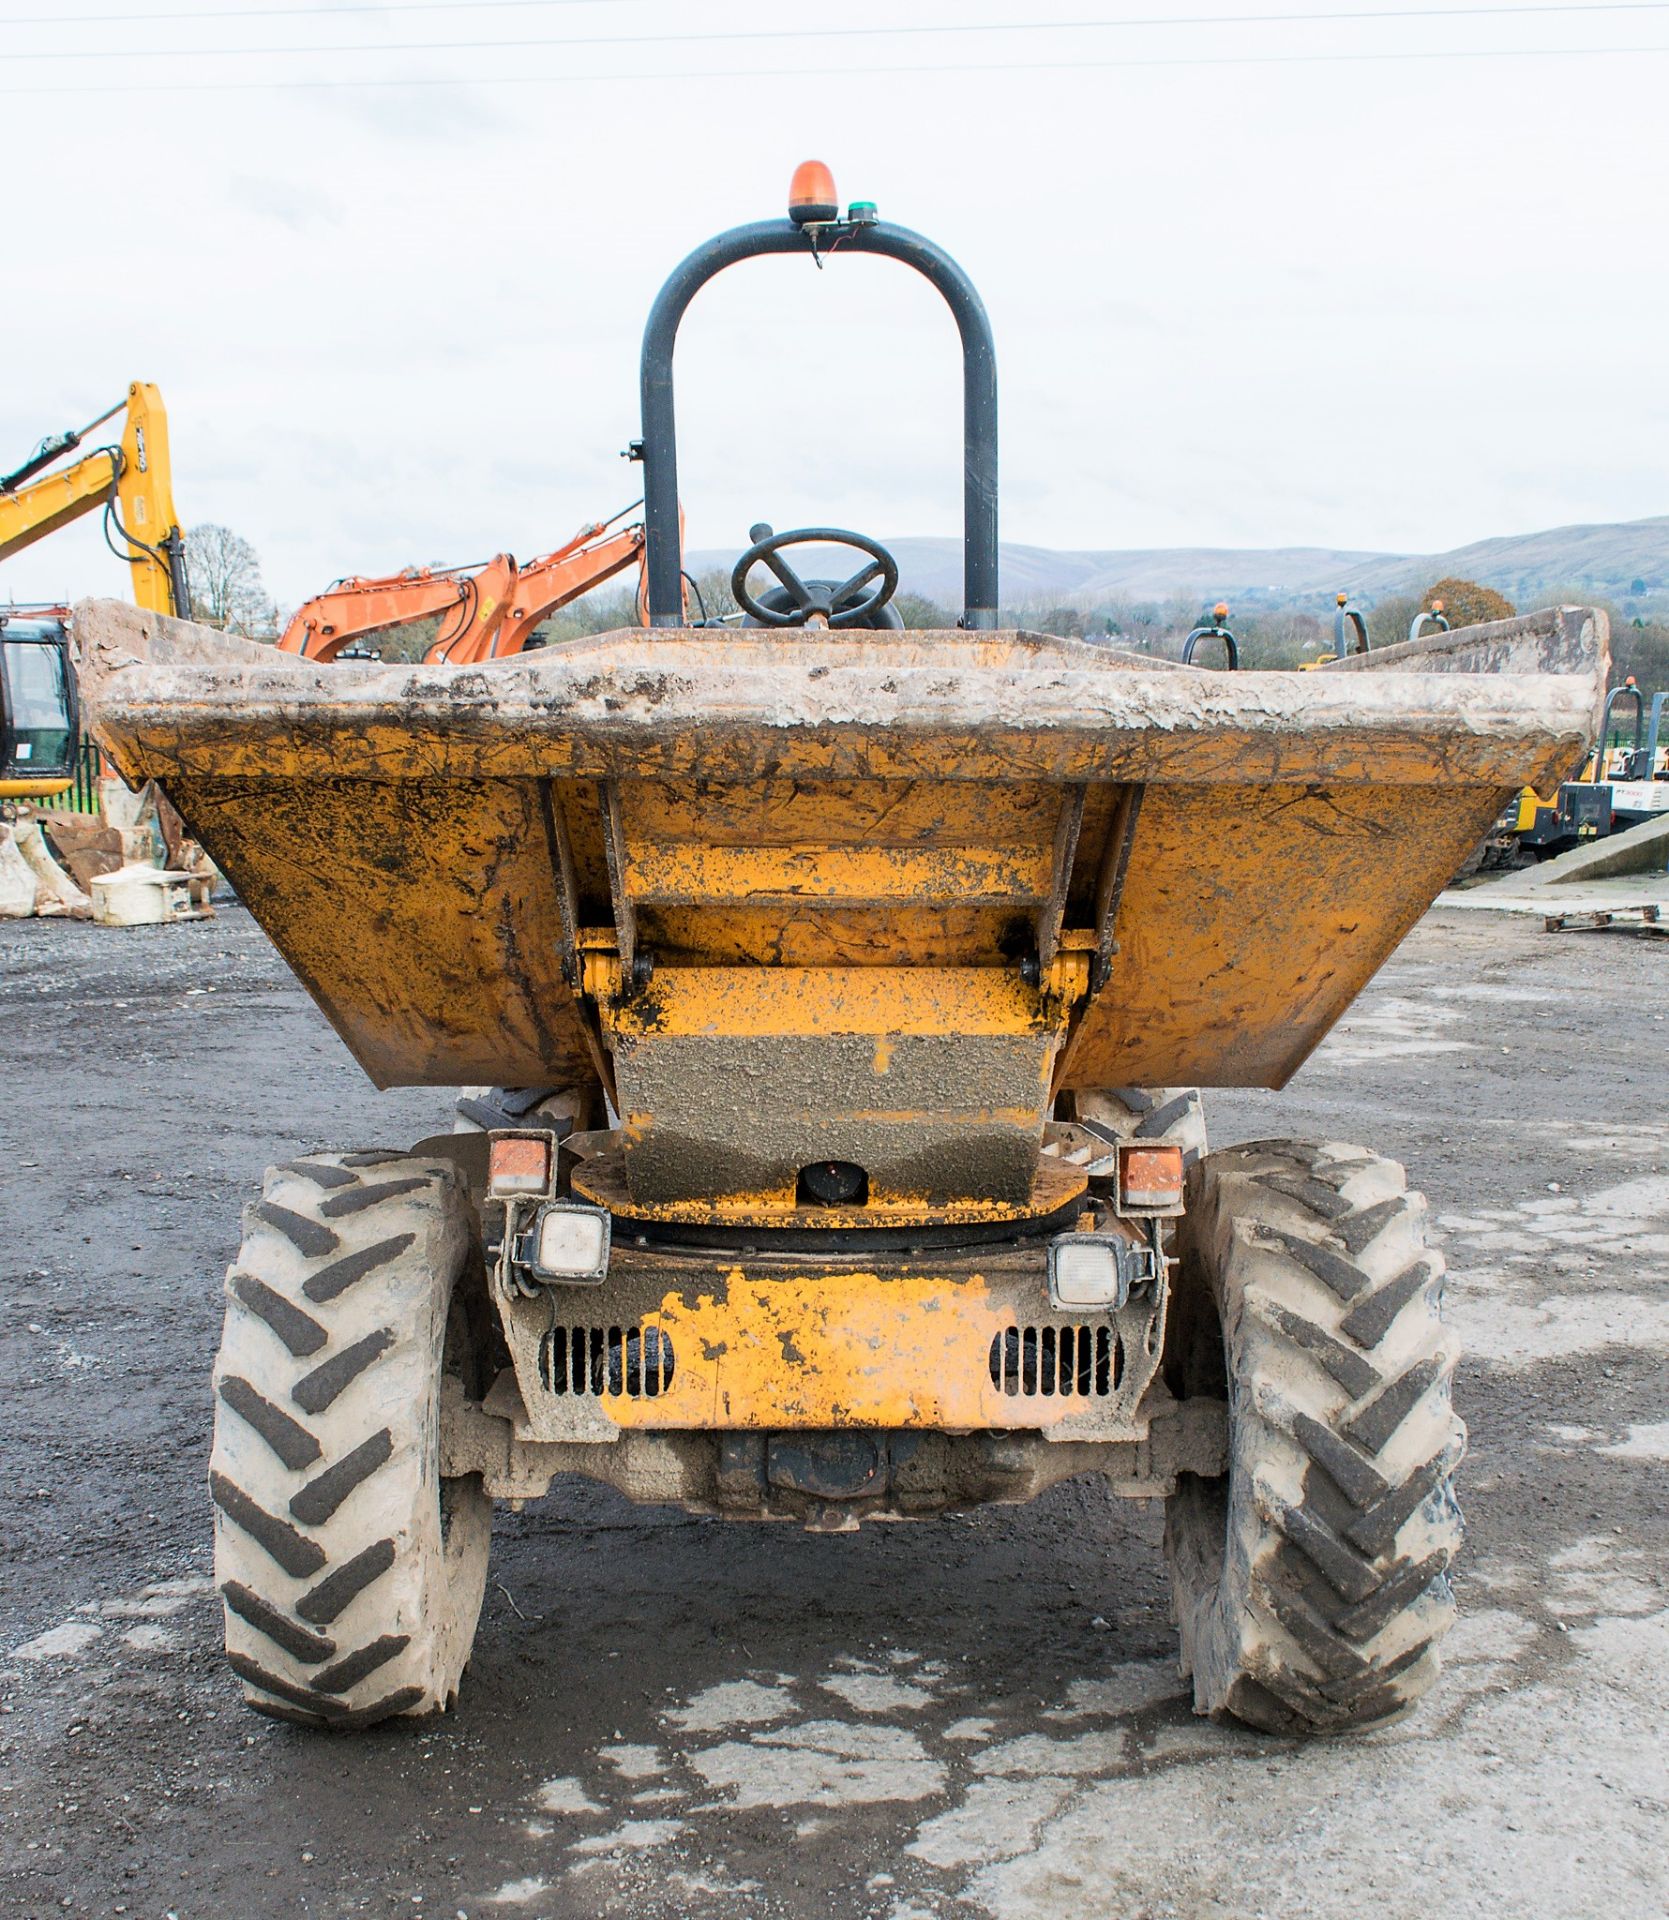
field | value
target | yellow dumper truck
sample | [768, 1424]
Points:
[842, 990]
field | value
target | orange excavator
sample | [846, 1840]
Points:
[485, 611]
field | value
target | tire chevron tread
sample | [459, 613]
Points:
[339, 1265]
[1329, 1612]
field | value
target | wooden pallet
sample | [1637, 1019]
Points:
[1641, 919]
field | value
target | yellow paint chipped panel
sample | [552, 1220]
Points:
[974, 1002]
[843, 1349]
[853, 813]
[1250, 921]
[816, 933]
[420, 843]
[683, 875]
[397, 905]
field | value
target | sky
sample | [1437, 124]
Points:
[1377, 276]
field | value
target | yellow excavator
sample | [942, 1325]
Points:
[130, 480]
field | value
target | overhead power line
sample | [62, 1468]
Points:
[481, 6]
[934, 29]
[1002, 67]
[282, 13]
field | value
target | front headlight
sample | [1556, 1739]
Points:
[1089, 1270]
[567, 1245]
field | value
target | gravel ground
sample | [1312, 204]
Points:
[979, 1715]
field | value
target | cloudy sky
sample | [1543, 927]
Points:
[1370, 275]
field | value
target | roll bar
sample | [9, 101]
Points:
[1353, 615]
[859, 232]
[1627, 691]
[1659, 700]
[1216, 630]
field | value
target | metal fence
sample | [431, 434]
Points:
[83, 796]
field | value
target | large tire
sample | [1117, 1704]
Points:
[1172, 1116]
[1310, 1582]
[352, 1573]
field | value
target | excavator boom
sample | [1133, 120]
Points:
[132, 481]
[468, 600]
[486, 612]
[542, 587]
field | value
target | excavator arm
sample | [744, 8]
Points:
[468, 600]
[485, 612]
[591, 557]
[132, 481]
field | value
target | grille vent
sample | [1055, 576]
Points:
[1073, 1362]
[607, 1362]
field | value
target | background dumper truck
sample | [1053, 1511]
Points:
[841, 989]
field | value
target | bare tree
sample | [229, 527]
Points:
[920, 613]
[227, 590]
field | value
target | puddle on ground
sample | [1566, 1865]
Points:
[1093, 1801]
[1648, 1442]
[86, 1628]
[1523, 1279]
[1386, 1029]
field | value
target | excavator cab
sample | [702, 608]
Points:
[38, 718]
[130, 482]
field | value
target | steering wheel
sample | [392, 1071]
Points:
[798, 601]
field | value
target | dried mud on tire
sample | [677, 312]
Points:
[352, 1574]
[1310, 1584]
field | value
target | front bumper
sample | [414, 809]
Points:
[712, 1342]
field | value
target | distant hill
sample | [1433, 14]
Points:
[1603, 560]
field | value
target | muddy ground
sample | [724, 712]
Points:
[976, 1716]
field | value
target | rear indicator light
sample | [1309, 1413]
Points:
[518, 1163]
[1150, 1179]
